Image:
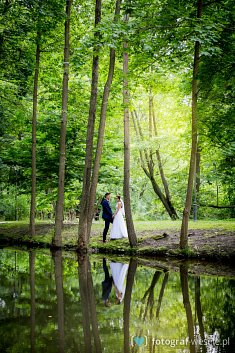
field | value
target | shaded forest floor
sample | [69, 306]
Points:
[210, 240]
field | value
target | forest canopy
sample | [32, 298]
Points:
[161, 37]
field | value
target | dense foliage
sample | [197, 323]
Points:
[161, 35]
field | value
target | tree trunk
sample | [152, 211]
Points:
[148, 167]
[173, 214]
[34, 128]
[126, 187]
[188, 202]
[127, 304]
[160, 166]
[57, 240]
[84, 204]
[187, 306]
[100, 140]
[57, 256]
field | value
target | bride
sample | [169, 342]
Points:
[119, 226]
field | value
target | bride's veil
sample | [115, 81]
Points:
[123, 207]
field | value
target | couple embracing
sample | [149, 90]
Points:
[118, 230]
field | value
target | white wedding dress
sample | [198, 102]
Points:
[119, 230]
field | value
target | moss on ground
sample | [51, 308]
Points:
[153, 239]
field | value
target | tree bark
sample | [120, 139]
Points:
[126, 187]
[34, 129]
[191, 176]
[187, 306]
[127, 304]
[57, 240]
[84, 204]
[100, 140]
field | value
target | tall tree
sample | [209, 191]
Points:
[84, 204]
[126, 187]
[192, 168]
[100, 140]
[34, 126]
[57, 240]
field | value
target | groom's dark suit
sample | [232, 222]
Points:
[107, 216]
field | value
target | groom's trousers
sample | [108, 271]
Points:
[106, 229]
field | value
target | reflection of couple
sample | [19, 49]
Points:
[119, 226]
[117, 279]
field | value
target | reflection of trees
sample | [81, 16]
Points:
[150, 295]
[165, 280]
[187, 306]
[57, 257]
[32, 299]
[88, 306]
[198, 309]
[127, 304]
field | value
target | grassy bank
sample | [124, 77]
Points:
[207, 239]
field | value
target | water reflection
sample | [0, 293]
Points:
[62, 302]
[187, 306]
[32, 300]
[88, 306]
[116, 280]
[57, 258]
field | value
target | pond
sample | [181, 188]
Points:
[61, 303]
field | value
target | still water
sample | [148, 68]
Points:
[59, 303]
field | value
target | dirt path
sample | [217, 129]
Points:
[215, 243]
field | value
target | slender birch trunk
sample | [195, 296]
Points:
[34, 129]
[57, 240]
[191, 176]
[100, 140]
[84, 205]
[126, 188]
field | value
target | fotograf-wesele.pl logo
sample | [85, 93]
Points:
[139, 341]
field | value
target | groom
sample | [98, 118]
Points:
[107, 214]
